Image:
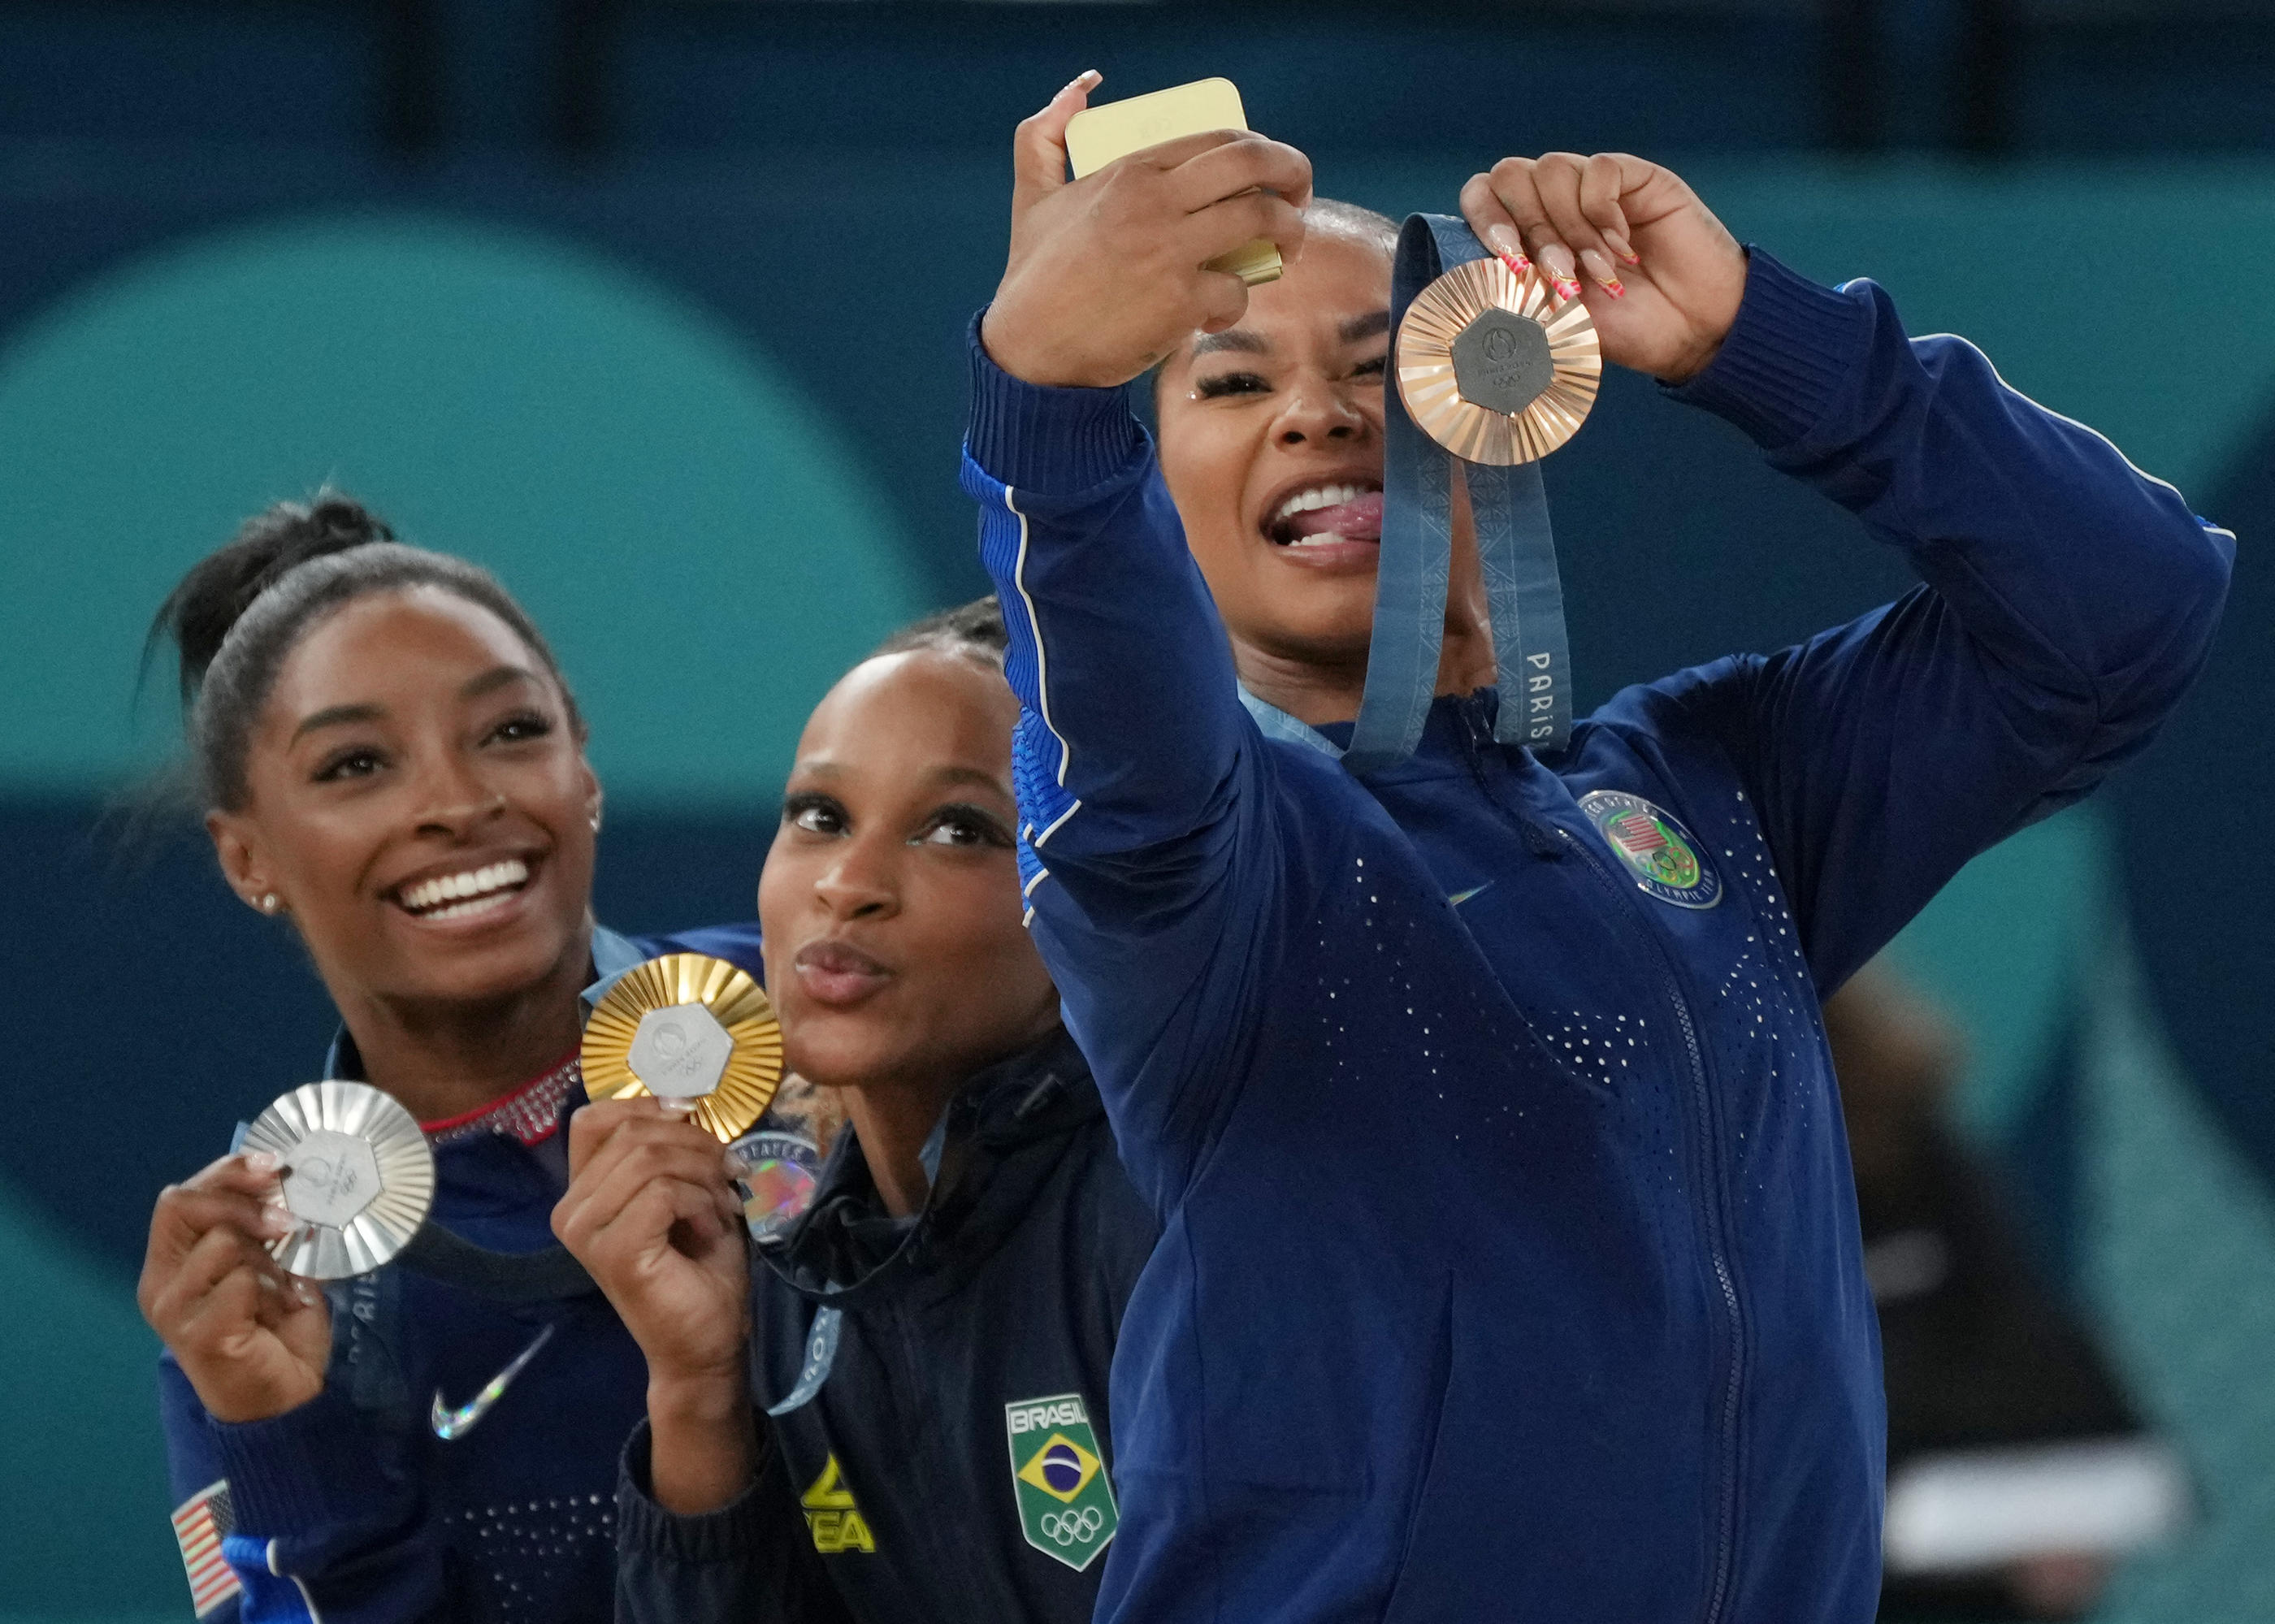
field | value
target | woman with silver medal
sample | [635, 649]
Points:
[900, 1412]
[391, 763]
[1510, 1266]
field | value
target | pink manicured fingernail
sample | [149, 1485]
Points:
[1556, 260]
[1508, 247]
[1619, 245]
[261, 1162]
[1599, 269]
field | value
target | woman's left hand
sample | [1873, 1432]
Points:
[1661, 277]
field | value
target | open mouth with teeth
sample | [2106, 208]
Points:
[1319, 515]
[465, 894]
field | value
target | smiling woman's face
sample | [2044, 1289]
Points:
[418, 799]
[1272, 445]
[890, 899]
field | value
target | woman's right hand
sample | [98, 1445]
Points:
[253, 1340]
[650, 1213]
[1109, 274]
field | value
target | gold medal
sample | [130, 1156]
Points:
[690, 1029]
[1492, 368]
[357, 1175]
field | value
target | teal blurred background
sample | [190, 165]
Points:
[657, 310]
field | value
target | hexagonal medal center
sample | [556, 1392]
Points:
[1500, 361]
[680, 1052]
[332, 1177]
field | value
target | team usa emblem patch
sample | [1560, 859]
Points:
[201, 1524]
[1065, 1504]
[1659, 852]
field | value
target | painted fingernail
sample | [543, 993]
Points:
[1600, 270]
[261, 1162]
[1508, 247]
[275, 1223]
[1619, 245]
[1087, 79]
[1556, 260]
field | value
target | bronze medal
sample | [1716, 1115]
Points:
[1493, 367]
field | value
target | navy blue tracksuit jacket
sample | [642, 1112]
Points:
[1509, 1265]
[349, 1509]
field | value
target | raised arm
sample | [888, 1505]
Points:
[2070, 598]
[1118, 655]
[1144, 848]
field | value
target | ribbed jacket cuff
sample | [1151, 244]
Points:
[300, 1471]
[1793, 346]
[734, 1531]
[1034, 437]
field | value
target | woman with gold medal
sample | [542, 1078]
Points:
[391, 763]
[901, 1412]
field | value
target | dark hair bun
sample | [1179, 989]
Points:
[976, 627]
[198, 613]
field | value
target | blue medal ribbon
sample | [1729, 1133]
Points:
[1515, 547]
[821, 1354]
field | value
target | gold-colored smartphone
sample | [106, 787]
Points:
[1097, 136]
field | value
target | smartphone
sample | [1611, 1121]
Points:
[1097, 136]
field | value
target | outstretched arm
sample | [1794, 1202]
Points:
[1145, 848]
[2070, 598]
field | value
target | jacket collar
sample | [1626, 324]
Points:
[1451, 717]
[996, 1144]
[612, 956]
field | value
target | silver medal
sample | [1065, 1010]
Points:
[357, 1178]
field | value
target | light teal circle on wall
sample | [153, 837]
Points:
[705, 553]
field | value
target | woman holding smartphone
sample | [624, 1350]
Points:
[1577, 1327]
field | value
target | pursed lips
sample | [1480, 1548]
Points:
[837, 973]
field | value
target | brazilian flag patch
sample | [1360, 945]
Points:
[1066, 1505]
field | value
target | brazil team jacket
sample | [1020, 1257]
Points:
[1509, 1265]
[350, 1509]
[956, 1463]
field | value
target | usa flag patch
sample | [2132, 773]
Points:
[200, 1523]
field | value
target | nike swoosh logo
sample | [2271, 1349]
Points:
[454, 1423]
[1458, 897]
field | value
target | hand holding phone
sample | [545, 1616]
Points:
[1109, 274]
[1097, 136]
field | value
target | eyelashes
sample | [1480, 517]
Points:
[1223, 385]
[983, 828]
[364, 761]
[963, 825]
[527, 725]
[356, 761]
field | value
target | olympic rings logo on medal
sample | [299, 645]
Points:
[1068, 1528]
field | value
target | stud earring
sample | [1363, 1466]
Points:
[268, 902]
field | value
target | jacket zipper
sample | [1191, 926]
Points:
[1711, 1198]
[1717, 1245]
